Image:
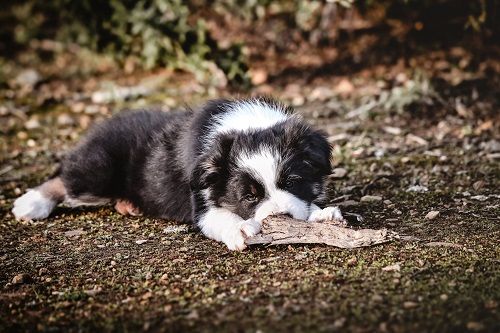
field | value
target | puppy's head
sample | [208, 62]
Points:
[278, 170]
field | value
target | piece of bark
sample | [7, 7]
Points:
[286, 230]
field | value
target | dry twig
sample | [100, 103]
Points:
[286, 230]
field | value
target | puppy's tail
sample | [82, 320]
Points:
[38, 203]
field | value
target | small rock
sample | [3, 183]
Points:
[491, 304]
[392, 268]
[348, 203]
[20, 279]
[475, 326]
[338, 323]
[371, 198]
[480, 197]
[32, 123]
[491, 146]
[411, 138]
[258, 76]
[193, 315]
[392, 130]
[91, 109]
[92, 292]
[28, 78]
[338, 173]
[141, 241]
[74, 233]
[417, 189]
[445, 244]
[494, 156]
[443, 297]
[77, 107]
[344, 87]
[320, 94]
[432, 215]
[175, 229]
[352, 261]
[65, 120]
[377, 298]
[43, 271]
[478, 185]
[410, 305]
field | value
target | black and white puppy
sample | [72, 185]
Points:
[224, 167]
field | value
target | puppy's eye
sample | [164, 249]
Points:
[251, 198]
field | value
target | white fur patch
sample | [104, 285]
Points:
[325, 214]
[224, 226]
[33, 205]
[264, 166]
[282, 202]
[245, 116]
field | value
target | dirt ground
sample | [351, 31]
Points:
[94, 270]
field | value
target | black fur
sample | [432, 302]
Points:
[157, 161]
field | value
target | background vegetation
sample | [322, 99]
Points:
[174, 33]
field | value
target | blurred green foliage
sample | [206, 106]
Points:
[174, 33]
[154, 32]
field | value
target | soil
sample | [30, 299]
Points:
[91, 269]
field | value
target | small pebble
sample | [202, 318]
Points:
[391, 268]
[432, 215]
[410, 305]
[474, 326]
[480, 197]
[339, 173]
[371, 198]
[20, 279]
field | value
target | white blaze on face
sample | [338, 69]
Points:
[264, 167]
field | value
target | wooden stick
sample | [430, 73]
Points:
[286, 230]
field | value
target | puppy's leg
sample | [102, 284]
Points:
[224, 226]
[326, 214]
[39, 202]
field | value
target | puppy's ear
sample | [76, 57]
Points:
[214, 164]
[319, 152]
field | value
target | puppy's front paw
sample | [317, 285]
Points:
[326, 214]
[235, 239]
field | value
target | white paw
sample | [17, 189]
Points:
[32, 206]
[235, 238]
[326, 214]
